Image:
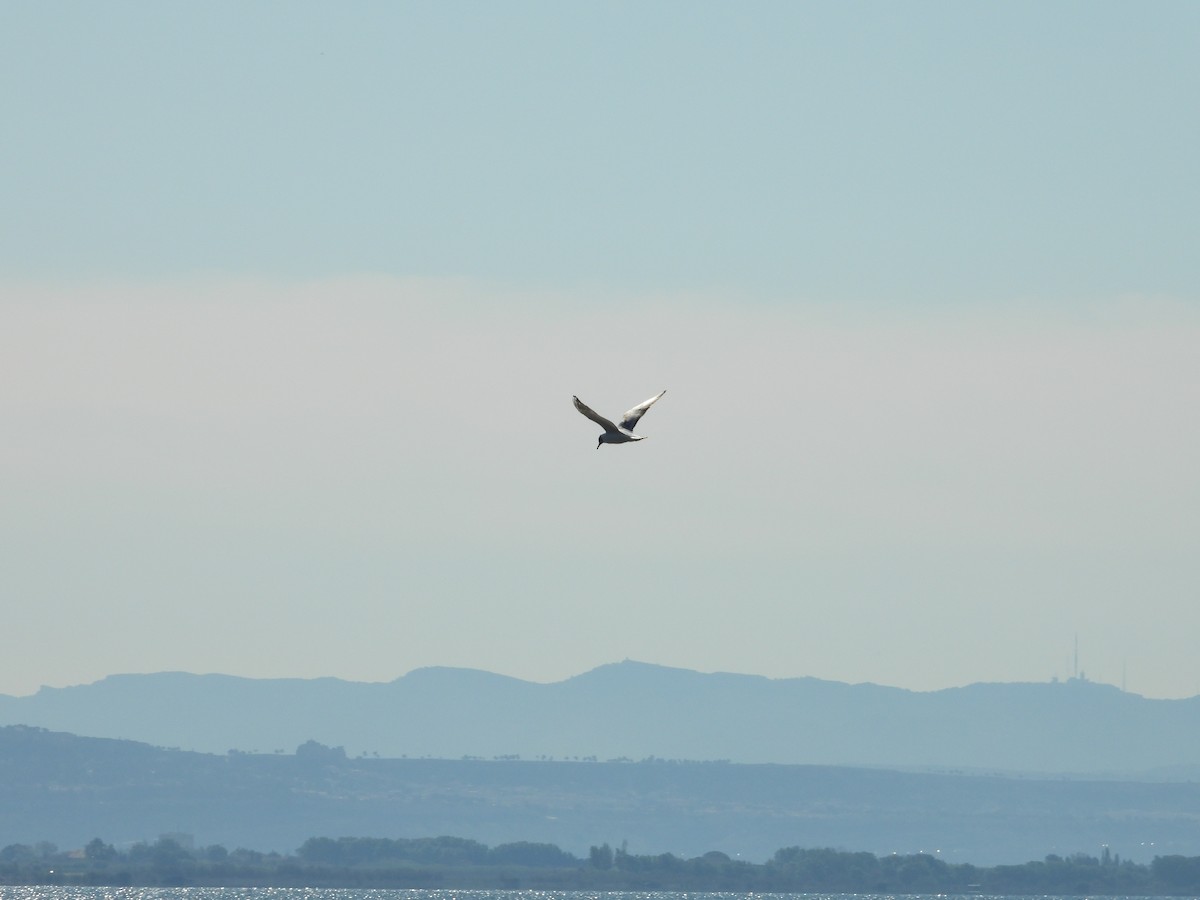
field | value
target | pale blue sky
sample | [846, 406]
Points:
[895, 152]
[295, 297]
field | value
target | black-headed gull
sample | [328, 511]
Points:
[614, 434]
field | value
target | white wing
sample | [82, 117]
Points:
[595, 416]
[631, 418]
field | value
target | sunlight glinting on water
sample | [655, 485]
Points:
[56, 892]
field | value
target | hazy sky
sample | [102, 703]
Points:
[294, 297]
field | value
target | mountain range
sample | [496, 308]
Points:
[633, 710]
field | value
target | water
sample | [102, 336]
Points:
[50, 892]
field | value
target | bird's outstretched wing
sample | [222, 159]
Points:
[594, 416]
[631, 418]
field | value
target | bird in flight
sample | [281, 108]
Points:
[617, 434]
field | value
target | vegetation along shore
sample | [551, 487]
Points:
[451, 862]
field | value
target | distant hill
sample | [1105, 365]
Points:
[636, 710]
[68, 790]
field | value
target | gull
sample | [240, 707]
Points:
[614, 434]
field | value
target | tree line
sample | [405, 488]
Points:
[452, 862]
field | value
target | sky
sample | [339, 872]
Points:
[294, 298]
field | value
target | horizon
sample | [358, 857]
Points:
[294, 299]
[1080, 678]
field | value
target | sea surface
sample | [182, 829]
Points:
[50, 892]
